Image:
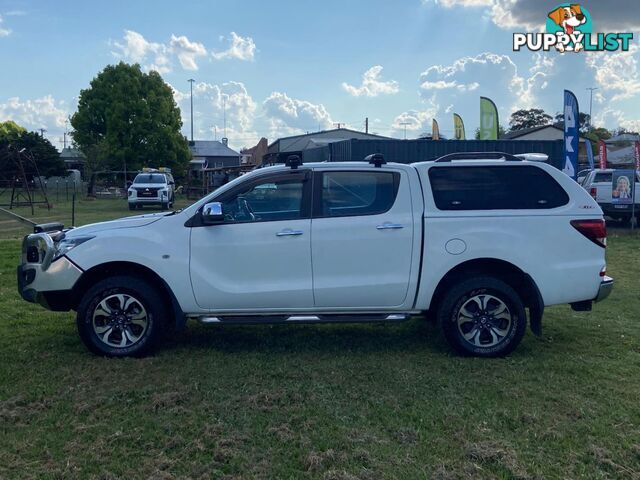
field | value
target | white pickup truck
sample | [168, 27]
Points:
[599, 184]
[473, 239]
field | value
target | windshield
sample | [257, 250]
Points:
[150, 178]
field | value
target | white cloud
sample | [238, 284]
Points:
[612, 15]
[290, 115]
[617, 73]
[462, 3]
[416, 120]
[186, 51]
[44, 112]
[211, 101]
[465, 74]
[371, 85]
[137, 49]
[134, 47]
[240, 48]
[4, 32]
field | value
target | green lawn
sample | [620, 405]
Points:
[330, 402]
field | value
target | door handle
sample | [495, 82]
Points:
[390, 226]
[287, 232]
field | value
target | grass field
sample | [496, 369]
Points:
[329, 402]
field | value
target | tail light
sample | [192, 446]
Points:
[594, 192]
[594, 230]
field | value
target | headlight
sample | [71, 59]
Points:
[130, 192]
[164, 193]
[67, 244]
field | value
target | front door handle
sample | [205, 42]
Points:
[390, 226]
[287, 232]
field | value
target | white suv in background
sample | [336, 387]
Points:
[152, 188]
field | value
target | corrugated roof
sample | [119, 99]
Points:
[211, 148]
[300, 142]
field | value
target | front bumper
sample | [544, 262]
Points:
[44, 281]
[605, 289]
[148, 200]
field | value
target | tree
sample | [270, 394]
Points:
[129, 116]
[10, 130]
[534, 117]
[583, 118]
[43, 152]
[501, 132]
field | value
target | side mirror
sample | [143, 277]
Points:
[172, 183]
[212, 213]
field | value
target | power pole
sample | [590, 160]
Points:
[404, 124]
[191, 80]
[366, 125]
[591, 89]
[338, 125]
[224, 113]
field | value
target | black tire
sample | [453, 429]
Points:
[473, 308]
[132, 206]
[144, 295]
[164, 206]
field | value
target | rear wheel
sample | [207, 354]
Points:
[121, 316]
[482, 316]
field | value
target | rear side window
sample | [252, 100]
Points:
[353, 193]
[602, 177]
[495, 188]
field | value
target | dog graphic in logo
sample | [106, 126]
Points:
[568, 18]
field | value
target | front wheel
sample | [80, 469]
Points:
[482, 316]
[121, 316]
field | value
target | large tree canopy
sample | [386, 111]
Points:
[534, 117]
[130, 116]
[14, 138]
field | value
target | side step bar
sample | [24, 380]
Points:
[303, 318]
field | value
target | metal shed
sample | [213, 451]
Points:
[409, 151]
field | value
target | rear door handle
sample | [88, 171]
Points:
[390, 226]
[287, 232]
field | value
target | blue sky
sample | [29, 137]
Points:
[285, 67]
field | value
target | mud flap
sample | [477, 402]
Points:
[536, 308]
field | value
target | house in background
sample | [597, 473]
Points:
[212, 154]
[547, 132]
[73, 159]
[253, 156]
[212, 164]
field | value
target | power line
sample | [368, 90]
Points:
[191, 80]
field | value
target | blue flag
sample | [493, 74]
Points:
[571, 134]
[590, 154]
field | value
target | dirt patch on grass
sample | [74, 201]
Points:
[603, 458]
[19, 410]
[495, 455]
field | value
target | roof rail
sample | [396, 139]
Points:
[478, 156]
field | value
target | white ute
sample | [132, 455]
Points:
[473, 239]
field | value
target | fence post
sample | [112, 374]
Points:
[73, 210]
[57, 190]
